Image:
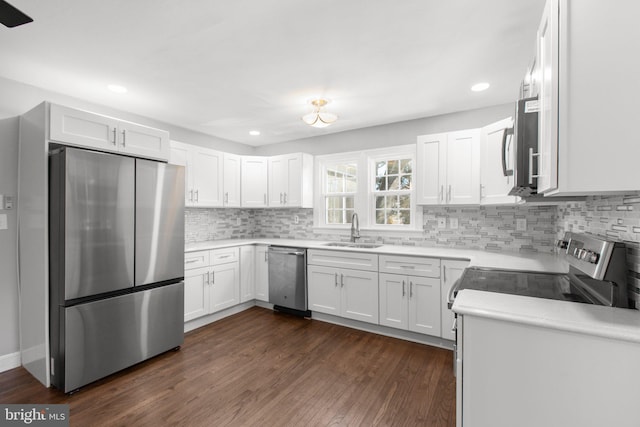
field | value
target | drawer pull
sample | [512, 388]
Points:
[407, 266]
[223, 256]
[191, 261]
[403, 292]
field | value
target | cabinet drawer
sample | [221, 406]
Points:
[354, 260]
[413, 266]
[224, 256]
[196, 260]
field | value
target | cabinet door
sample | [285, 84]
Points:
[430, 172]
[179, 155]
[494, 185]
[451, 271]
[247, 273]
[206, 170]
[394, 301]
[293, 185]
[196, 293]
[359, 295]
[225, 286]
[277, 180]
[143, 141]
[324, 289]
[262, 273]
[254, 182]
[424, 305]
[82, 128]
[231, 180]
[548, 98]
[463, 167]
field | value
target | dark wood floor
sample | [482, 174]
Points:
[260, 368]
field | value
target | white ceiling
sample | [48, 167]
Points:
[227, 67]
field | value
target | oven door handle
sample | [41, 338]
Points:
[450, 295]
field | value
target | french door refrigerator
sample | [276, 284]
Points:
[116, 263]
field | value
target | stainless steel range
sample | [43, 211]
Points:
[597, 275]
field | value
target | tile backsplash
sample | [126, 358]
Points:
[489, 228]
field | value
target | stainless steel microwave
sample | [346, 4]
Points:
[525, 143]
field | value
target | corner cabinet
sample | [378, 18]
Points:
[291, 180]
[345, 292]
[448, 170]
[85, 129]
[587, 117]
[254, 178]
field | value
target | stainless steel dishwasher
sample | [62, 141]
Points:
[288, 280]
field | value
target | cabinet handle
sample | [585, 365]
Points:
[208, 281]
[441, 192]
[266, 256]
[124, 136]
[408, 266]
[265, 199]
[454, 326]
[196, 193]
[410, 289]
[531, 156]
[285, 198]
[191, 261]
[114, 136]
[280, 198]
[341, 280]
[336, 280]
[223, 256]
[226, 197]
[191, 195]
[481, 191]
[403, 291]
[444, 273]
[213, 277]
[449, 194]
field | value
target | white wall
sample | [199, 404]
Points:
[9, 341]
[391, 134]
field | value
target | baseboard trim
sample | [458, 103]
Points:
[9, 361]
[384, 330]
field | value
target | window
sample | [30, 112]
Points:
[376, 184]
[392, 193]
[340, 188]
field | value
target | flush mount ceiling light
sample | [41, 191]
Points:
[479, 87]
[254, 132]
[319, 118]
[117, 89]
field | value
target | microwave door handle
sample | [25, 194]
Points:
[507, 132]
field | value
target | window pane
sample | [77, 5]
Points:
[334, 217]
[381, 168]
[406, 166]
[380, 216]
[381, 183]
[380, 202]
[351, 184]
[348, 202]
[392, 167]
[334, 202]
[349, 215]
[405, 202]
[405, 216]
[394, 182]
[405, 182]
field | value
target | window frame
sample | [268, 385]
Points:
[323, 164]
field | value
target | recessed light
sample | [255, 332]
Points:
[117, 89]
[254, 132]
[479, 87]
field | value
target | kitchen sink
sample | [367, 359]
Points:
[354, 245]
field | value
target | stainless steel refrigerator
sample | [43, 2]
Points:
[116, 263]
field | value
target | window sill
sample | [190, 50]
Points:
[367, 231]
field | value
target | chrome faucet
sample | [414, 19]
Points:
[355, 227]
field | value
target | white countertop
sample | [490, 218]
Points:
[608, 322]
[500, 260]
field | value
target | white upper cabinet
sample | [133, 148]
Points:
[204, 174]
[587, 62]
[291, 180]
[449, 168]
[85, 129]
[231, 181]
[254, 181]
[496, 164]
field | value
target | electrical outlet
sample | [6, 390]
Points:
[453, 223]
[442, 222]
[8, 202]
[521, 224]
[238, 221]
[296, 219]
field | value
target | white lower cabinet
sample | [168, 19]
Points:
[410, 302]
[247, 273]
[211, 281]
[262, 273]
[343, 292]
[451, 271]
